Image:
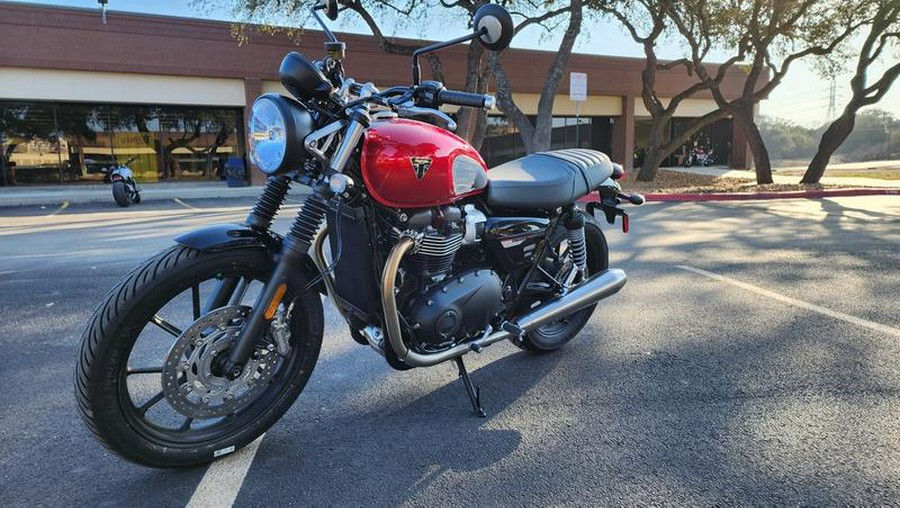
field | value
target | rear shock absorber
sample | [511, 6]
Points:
[269, 202]
[575, 231]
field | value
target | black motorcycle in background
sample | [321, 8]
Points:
[125, 189]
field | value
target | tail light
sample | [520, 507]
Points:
[618, 171]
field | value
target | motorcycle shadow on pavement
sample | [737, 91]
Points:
[395, 452]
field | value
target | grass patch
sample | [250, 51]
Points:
[675, 182]
[880, 174]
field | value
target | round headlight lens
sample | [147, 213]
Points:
[267, 135]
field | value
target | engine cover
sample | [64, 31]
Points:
[457, 307]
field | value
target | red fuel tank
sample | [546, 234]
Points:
[411, 164]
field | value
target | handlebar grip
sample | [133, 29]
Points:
[472, 100]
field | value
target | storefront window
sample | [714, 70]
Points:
[502, 142]
[715, 137]
[70, 142]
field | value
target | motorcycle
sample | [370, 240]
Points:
[432, 257]
[124, 188]
[699, 155]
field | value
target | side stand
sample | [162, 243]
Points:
[474, 393]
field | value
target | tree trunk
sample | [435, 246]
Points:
[757, 145]
[653, 158]
[833, 137]
[467, 118]
[477, 132]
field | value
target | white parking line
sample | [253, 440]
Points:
[182, 203]
[222, 481]
[61, 208]
[878, 327]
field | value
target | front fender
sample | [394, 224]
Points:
[219, 237]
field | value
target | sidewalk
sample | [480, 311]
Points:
[99, 193]
[793, 179]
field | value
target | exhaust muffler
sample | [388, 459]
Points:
[585, 294]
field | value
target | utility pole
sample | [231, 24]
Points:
[832, 100]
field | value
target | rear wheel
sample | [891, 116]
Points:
[148, 380]
[556, 334]
[120, 194]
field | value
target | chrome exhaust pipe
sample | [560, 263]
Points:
[585, 294]
[322, 264]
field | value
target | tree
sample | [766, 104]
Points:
[765, 37]
[883, 33]
[652, 16]
[377, 14]
[536, 136]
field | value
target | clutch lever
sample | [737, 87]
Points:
[414, 111]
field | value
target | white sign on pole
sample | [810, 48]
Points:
[578, 86]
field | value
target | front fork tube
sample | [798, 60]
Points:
[296, 245]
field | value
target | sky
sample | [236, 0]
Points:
[803, 96]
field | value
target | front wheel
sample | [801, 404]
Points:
[120, 194]
[556, 334]
[148, 380]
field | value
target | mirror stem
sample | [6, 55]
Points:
[328, 32]
[417, 72]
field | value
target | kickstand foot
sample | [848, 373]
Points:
[473, 392]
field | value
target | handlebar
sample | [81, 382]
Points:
[468, 99]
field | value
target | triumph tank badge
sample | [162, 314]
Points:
[420, 166]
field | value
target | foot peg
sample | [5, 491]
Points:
[513, 328]
[473, 392]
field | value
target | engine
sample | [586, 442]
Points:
[447, 292]
[442, 300]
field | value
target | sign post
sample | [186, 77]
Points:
[577, 94]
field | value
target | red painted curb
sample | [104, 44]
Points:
[749, 196]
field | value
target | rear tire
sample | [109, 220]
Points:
[557, 334]
[120, 194]
[101, 390]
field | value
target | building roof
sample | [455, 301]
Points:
[51, 37]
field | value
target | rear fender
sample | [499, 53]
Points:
[219, 237]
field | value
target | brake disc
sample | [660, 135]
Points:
[189, 382]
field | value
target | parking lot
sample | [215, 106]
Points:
[753, 358]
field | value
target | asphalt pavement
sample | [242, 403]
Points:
[752, 358]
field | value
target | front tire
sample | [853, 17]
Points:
[109, 360]
[120, 194]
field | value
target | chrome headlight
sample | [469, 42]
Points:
[275, 133]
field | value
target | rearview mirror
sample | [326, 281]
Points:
[494, 26]
[331, 9]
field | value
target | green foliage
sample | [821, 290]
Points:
[876, 136]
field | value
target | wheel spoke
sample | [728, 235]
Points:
[195, 300]
[165, 325]
[186, 425]
[150, 403]
[143, 370]
[239, 292]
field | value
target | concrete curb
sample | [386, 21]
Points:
[753, 196]
[76, 196]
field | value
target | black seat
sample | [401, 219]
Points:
[547, 179]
